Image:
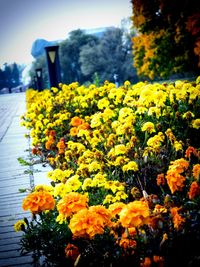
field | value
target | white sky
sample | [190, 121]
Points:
[24, 21]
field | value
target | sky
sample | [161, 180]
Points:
[24, 21]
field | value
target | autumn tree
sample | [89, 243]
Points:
[168, 39]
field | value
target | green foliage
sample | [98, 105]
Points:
[172, 31]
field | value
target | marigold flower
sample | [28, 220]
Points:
[134, 214]
[120, 149]
[76, 121]
[19, 225]
[196, 171]
[194, 190]
[180, 165]
[127, 243]
[115, 208]
[103, 213]
[175, 180]
[191, 150]
[72, 251]
[61, 146]
[72, 203]
[160, 179]
[196, 124]
[177, 219]
[146, 262]
[86, 223]
[74, 131]
[159, 260]
[148, 127]
[130, 166]
[38, 201]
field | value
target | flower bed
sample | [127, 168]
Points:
[125, 175]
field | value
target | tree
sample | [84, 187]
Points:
[168, 40]
[69, 55]
[15, 75]
[110, 56]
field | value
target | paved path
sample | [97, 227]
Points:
[13, 144]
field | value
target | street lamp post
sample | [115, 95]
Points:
[39, 79]
[53, 65]
[35, 82]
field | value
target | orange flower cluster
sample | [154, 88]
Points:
[72, 203]
[127, 240]
[134, 214]
[174, 178]
[38, 201]
[89, 222]
[147, 262]
[177, 219]
[78, 124]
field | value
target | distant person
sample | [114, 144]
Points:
[10, 90]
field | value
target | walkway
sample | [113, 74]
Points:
[13, 145]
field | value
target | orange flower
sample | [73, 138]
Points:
[175, 180]
[194, 190]
[84, 126]
[72, 203]
[38, 201]
[115, 208]
[127, 243]
[177, 219]
[160, 179]
[86, 223]
[180, 165]
[72, 251]
[61, 146]
[191, 150]
[159, 260]
[135, 213]
[146, 262]
[76, 121]
[196, 171]
[103, 213]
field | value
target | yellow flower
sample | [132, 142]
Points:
[148, 127]
[73, 183]
[19, 225]
[196, 124]
[120, 149]
[132, 165]
[103, 103]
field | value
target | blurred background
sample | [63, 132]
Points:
[113, 40]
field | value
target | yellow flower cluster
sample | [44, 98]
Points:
[109, 147]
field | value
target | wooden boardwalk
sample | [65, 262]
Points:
[13, 144]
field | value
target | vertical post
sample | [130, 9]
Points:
[53, 65]
[39, 79]
[35, 83]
